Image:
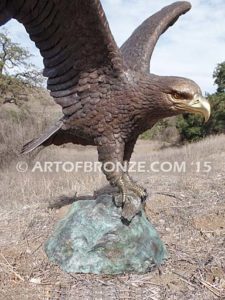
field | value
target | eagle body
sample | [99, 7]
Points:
[117, 108]
[107, 95]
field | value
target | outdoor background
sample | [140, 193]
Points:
[186, 208]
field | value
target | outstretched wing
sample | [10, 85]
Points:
[74, 39]
[138, 49]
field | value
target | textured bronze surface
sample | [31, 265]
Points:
[107, 95]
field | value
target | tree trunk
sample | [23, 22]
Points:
[1, 67]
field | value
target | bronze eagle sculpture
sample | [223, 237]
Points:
[107, 94]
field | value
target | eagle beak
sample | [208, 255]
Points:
[200, 105]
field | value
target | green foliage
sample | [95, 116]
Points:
[11, 54]
[216, 123]
[192, 127]
[219, 76]
[15, 62]
[10, 88]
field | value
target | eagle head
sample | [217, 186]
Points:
[183, 96]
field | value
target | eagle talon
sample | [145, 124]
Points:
[118, 200]
[130, 198]
[131, 207]
[135, 188]
[124, 196]
[144, 196]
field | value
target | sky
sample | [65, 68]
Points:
[191, 48]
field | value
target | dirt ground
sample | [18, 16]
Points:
[187, 208]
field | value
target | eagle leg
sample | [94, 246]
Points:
[131, 195]
[133, 186]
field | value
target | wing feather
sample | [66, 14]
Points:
[72, 36]
[138, 49]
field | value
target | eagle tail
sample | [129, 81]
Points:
[30, 146]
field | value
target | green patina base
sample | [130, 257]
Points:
[92, 239]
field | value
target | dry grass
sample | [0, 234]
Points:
[23, 121]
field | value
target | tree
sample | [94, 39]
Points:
[14, 61]
[191, 127]
[216, 124]
[219, 76]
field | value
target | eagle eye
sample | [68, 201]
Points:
[180, 96]
[176, 95]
